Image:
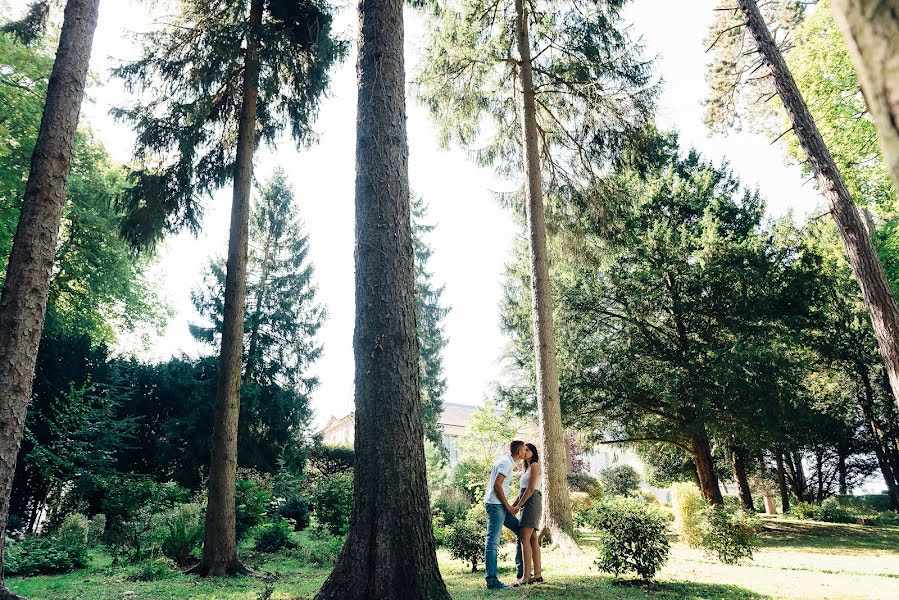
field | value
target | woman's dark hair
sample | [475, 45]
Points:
[535, 457]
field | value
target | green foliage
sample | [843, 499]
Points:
[189, 88]
[274, 536]
[326, 461]
[43, 556]
[251, 503]
[688, 506]
[429, 316]
[96, 529]
[178, 532]
[632, 537]
[487, 435]
[729, 534]
[466, 537]
[321, 548]
[471, 477]
[587, 484]
[152, 569]
[436, 466]
[620, 480]
[805, 510]
[832, 512]
[75, 530]
[332, 500]
[295, 508]
[450, 505]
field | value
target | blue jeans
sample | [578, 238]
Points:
[497, 516]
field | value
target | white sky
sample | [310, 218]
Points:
[474, 236]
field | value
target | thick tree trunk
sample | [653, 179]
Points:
[390, 551]
[871, 30]
[23, 302]
[782, 482]
[556, 504]
[220, 543]
[881, 447]
[738, 459]
[842, 472]
[862, 256]
[705, 469]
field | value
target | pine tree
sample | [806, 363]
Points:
[429, 315]
[227, 74]
[566, 92]
[23, 301]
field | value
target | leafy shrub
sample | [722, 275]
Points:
[321, 548]
[805, 510]
[274, 536]
[688, 506]
[831, 511]
[333, 500]
[466, 542]
[585, 484]
[96, 529]
[325, 461]
[580, 502]
[441, 533]
[450, 504]
[470, 476]
[729, 534]
[296, 509]
[178, 532]
[74, 530]
[150, 570]
[865, 503]
[43, 556]
[620, 480]
[631, 537]
[251, 502]
[886, 518]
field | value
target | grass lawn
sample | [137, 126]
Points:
[797, 559]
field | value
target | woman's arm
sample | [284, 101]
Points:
[532, 485]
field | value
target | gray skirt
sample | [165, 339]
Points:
[532, 511]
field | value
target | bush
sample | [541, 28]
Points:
[450, 505]
[178, 532]
[470, 476]
[466, 542]
[729, 534]
[251, 502]
[688, 506]
[441, 533]
[274, 536]
[150, 570]
[296, 509]
[805, 510]
[580, 502]
[886, 518]
[96, 529]
[631, 537]
[43, 556]
[620, 480]
[320, 549]
[585, 484]
[831, 511]
[74, 530]
[333, 500]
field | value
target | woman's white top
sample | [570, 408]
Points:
[525, 480]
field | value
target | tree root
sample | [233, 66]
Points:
[229, 569]
[5, 594]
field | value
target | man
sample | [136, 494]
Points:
[500, 512]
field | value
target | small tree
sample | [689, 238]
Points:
[620, 480]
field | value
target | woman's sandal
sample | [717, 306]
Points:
[536, 580]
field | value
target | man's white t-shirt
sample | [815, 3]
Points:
[504, 466]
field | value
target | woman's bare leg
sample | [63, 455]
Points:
[526, 534]
[535, 554]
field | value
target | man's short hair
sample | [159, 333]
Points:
[515, 447]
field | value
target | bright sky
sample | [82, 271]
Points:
[474, 235]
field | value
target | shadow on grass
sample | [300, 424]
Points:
[814, 535]
[470, 586]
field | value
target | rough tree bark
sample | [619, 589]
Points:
[390, 550]
[556, 504]
[871, 30]
[862, 256]
[738, 460]
[705, 469]
[23, 302]
[220, 543]
[782, 482]
[881, 447]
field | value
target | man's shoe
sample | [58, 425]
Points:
[499, 585]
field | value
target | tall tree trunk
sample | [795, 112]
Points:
[862, 256]
[390, 550]
[705, 469]
[556, 504]
[738, 459]
[871, 30]
[782, 482]
[23, 302]
[842, 472]
[881, 449]
[220, 543]
[262, 290]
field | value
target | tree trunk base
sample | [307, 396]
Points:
[556, 539]
[5, 594]
[231, 568]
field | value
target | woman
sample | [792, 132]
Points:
[530, 502]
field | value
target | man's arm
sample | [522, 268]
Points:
[498, 488]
